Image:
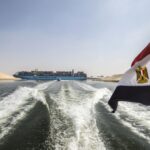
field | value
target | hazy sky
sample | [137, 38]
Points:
[100, 37]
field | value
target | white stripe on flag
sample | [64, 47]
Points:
[130, 77]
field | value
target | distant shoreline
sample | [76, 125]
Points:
[113, 78]
[98, 79]
[5, 77]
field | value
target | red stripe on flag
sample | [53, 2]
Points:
[144, 53]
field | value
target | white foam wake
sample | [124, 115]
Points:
[44, 85]
[133, 115]
[136, 117]
[15, 106]
[85, 87]
[81, 110]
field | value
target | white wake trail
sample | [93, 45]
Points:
[44, 85]
[136, 117]
[133, 115]
[81, 110]
[16, 106]
[85, 87]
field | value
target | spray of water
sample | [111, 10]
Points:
[71, 106]
[77, 107]
[133, 115]
[16, 106]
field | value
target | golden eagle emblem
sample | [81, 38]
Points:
[142, 74]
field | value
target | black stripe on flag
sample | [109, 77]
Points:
[139, 94]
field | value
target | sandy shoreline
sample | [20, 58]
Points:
[4, 76]
[113, 78]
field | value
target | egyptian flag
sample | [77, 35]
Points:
[135, 83]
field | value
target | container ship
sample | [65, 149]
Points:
[50, 75]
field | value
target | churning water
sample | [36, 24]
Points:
[69, 115]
